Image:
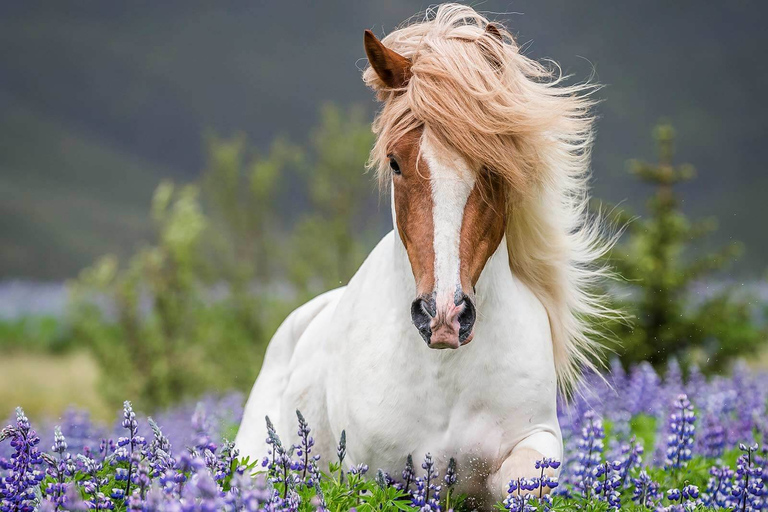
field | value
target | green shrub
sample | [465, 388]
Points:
[35, 334]
[655, 259]
[167, 340]
[158, 324]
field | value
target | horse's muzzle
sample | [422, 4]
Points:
[448, 326]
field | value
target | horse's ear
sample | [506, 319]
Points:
[493, 30]
[392, 68]
[491, 49]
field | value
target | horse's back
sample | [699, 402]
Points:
[276, 373]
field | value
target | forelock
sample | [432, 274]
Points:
[481, 97]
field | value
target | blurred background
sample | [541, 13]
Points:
[176, 176]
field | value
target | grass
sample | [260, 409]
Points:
[48, 384]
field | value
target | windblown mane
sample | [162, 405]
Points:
[507, 114]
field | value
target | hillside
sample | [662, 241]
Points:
[101, 100]
[65, 197]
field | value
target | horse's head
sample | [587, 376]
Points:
[450, 215]
[482, 144]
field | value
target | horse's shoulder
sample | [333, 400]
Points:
[301, 317]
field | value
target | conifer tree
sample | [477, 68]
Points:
[658, 264]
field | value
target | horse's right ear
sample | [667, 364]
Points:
[392, 68]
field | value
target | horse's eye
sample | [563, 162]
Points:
[394, 165]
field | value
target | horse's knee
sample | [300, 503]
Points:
[521, 463]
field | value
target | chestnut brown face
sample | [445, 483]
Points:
[451, 219]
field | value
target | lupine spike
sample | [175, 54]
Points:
[133, 475]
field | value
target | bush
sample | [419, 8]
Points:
[167, 340]
[195, 310]
[655, 260]
[46, 334]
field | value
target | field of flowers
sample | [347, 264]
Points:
[633, 441]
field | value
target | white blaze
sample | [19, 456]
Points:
[452, 182]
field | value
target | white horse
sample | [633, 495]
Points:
[486, 154]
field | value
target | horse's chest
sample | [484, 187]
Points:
[398, 406]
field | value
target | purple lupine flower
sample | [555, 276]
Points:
[92, 484]
[680, 435]
[128, 448]
[304, 450]
[418, 496]
[427, 494]
[450, 473]
[17, 490]
[545, 481]
[80, 431]
[719, 487]
[646, 491]
[159, 451]
[644, 391]
[360, 469]
[142, 479]
[761, 461]
[188, 463]
[590, 446]
[224, 460]
[748, 486]
[712, 439]
[696, 385]
[431, 476]
[273, 440]
[106, 448]
[58, 468]
[750, 405]
[248, 493]
[314, 475]
[341, 453]
[201, 425]
[73, 501]
[341, 449]
[673, 379]
[516, 500]
[408, 475]
[621, 434]
[606, 484]
[59, 442]
[450, 480]
[630, 458]
[282, 463]
[203, 491]
[687, 499]
[382, 480]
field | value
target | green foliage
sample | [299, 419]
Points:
[172, 335]
[655, 260]
[241, 190]
[354, 491]
[167, 342]
[35, 334]
[331, 241]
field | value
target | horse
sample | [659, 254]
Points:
[467, 321]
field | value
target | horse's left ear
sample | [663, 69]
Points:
[392, 68]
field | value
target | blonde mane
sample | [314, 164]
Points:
[474, 92]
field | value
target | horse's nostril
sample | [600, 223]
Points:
[466, 318]
[421, 314]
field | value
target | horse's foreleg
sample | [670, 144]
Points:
[521, 463]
